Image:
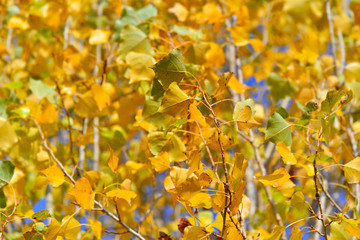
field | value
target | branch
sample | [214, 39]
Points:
[332, 35]
[317, 191]
[107, 212]
[222, 152]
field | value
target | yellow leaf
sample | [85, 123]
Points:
[286, 154]
[101, 97]
[54, 175]
[70, 228]
[194, 161]
[175, 101]
[195, 115]
[218, 200]
[213, 142]
[276, 233]
[237, 199]
[143, 123]
[199, 199]
[295, 233]
[195, 232]
[7, 137]
[287, 188]
[205, 180]
[53, 230]
[140, 64]
[223, 81]
[160, 162]
[18, 22]
[237, 86]
[238, 170]
[83, 193]
[353, 227]
[96, 227]
[245, 120]
[240, 35]
[352, 171]
[180, 11]
[42, 156]
[122, 194]
[43, 113]
[214, 56]
[99, 36]
[233, 233]
[257, 45]
[275, 179]
[113, 161]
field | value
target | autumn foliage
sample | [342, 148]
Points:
[151, 119]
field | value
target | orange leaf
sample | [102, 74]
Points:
[83, 193]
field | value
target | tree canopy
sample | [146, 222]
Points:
[151, 119]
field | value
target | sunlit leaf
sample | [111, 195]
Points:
[54, 175]
[275, 179]
[83, 193]
[286, 154]
[352, 171]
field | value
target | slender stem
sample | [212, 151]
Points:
[317, 191]
[107, 212]
[222, 152]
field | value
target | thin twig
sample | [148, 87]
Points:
[222, 153]
[107, 212]
[317, 191]
[213, 166]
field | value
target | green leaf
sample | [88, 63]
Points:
[6, 172]
[311, 106]
[2, 199]
[282, 111]
[115, 137]
[41, 89]
[135, 40]
[41, 215]
[325, 125]
[157, 90]
[171, 68]
[280, 87]
[278, 130]
[240, 105]
[332, 99]
[40, 227]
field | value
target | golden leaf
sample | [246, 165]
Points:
[180, 11]
[278, 177]
[99, 36]
[54, 175]
[101, 97]
[83, 193]
[286, 154]
[160, 162]
[113, 161]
